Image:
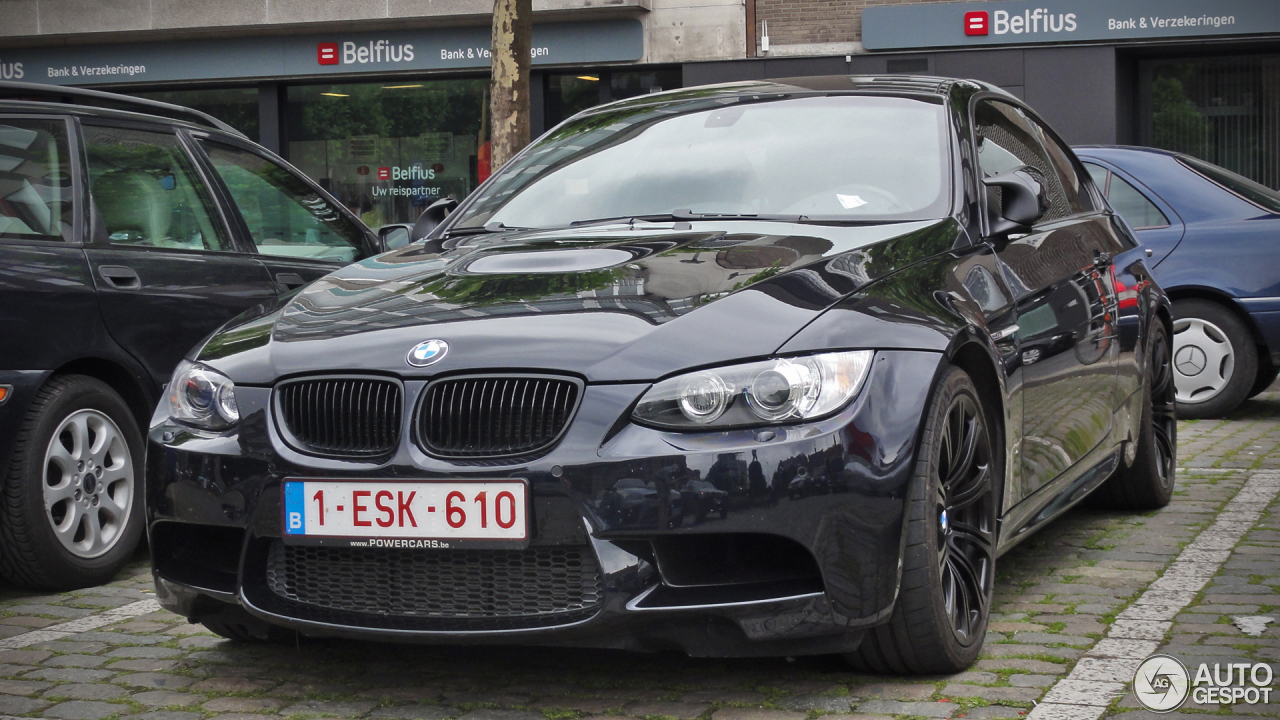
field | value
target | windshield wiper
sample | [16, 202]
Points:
[686, 215]
[629, 219]
[493, 227]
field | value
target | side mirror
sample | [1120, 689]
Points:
[431, 218]
[1022, 200]
[394, 236]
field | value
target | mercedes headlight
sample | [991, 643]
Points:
[203, 397]
[773, 391]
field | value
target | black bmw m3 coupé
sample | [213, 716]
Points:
[765, 368]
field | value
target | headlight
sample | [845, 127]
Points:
[203, 397]
[773, 391]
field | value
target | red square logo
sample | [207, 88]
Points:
[975, 23]
[327, 53]
[384, 173]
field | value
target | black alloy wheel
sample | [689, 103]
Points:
[966, 523]
[1147, 483]
[1164, 415]
[948, 568]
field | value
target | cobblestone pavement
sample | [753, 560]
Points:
[1077, 607]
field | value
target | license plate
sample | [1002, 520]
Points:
[399, 514]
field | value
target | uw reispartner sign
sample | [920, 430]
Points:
[1023, 22]
[334, 53]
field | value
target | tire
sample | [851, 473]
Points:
[948, 569]
[1148, 482]
[1214, 358]
[96, 488]
[1266, 375]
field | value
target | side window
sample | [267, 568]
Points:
[1007, 141]
[147, 192]
[1133, 206]
[1099, 175]
[285, 215]
[35, 181]
[1077, 195]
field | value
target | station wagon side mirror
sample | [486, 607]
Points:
[1020, 203]
[394, 236]
[431, 218]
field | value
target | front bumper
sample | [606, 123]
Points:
[214, 506]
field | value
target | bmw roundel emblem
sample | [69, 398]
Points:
[427, 353]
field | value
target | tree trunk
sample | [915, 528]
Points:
[509, 87]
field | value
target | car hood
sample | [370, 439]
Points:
[618, 303]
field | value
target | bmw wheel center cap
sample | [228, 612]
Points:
[427, 353]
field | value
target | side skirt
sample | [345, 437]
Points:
[1058, 496]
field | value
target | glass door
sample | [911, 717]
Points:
[1225, 110]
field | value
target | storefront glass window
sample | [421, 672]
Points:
[388, 150]
[237, 107]
[1225, 110]
[574, 92]
[630, 84]
[569, 94]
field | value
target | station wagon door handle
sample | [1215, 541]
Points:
[1004, 333]
[120, 277]
[290, 280]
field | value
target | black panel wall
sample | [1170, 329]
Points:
[1073, 88]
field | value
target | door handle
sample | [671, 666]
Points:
[1004, 333]
[120, 277]
[290, 280]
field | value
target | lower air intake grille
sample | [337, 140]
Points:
[357, 417]
[483, 589]
[495, 416]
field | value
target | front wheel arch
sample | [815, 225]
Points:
[977, 363]
[127, 383]
[1226, 301]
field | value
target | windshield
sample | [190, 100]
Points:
[855, 158]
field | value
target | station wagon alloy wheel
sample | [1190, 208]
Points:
[89, 483]
[1203, 360]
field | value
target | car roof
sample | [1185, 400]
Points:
[1192, 195]
[899, 85]
[85, 102]
[1104, 151]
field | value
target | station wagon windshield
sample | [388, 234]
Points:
[832, 158]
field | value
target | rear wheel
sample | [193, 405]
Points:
[72, 503]
[1266, 375]
[1215, 361]
[940, 618]
[1148, 482]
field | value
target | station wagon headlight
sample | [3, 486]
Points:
[203, 397]
[772, 391]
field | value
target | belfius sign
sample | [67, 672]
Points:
[1023, 22]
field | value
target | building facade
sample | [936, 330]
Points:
[1195, 76]
[385, 101]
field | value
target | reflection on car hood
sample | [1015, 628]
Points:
[618, 303]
